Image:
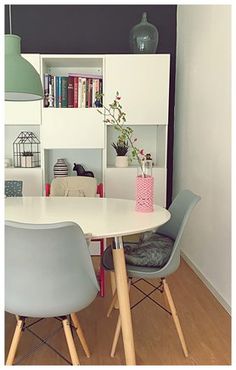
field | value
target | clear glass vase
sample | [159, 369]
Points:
[143, 37]
[145, 169]
[144, 188]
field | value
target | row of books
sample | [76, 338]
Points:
[72, 91]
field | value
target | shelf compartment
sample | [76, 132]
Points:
[151, 138]
[90, 159]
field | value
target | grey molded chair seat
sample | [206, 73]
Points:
[180, 210]
[13, 188]
[48, 273]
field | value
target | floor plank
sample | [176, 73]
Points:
[205, 323]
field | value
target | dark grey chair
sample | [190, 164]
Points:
[48, 273]
[180, 210]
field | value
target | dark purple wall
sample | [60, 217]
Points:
[95, 29]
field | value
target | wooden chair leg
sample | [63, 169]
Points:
[118, 330]
[101, 270]
[113, 302]
[80, 333]
[175, 317]
[116, 337]
[113, 287]
[15, 342]
[70, 342]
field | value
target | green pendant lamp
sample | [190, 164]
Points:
[22, 81]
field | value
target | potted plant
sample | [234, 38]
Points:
[121, 147]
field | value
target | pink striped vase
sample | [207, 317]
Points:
[144, 194]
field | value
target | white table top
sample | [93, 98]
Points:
[102, 217]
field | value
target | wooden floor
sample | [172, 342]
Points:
[206, 326]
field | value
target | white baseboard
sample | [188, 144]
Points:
[219, 298]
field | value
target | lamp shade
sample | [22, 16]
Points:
[22, 81]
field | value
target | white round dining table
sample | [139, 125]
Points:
[102, 218]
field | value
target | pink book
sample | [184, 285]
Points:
[75, 92]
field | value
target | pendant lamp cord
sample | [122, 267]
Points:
[10, 25]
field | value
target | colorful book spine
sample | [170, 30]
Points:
[54, 91]
[50, 90]
[95, 91]
[83, 92]
[64, 88]
[100, 92]
[70, 92]
[80, 92]
[87, 92]
[46, 90]
[75, 91]
[57, 91]
[90, 100]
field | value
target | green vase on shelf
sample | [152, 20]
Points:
[144, 37]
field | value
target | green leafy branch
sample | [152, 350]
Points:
[114, 115]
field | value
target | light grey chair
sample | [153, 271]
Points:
[180, 210]
[48, 273]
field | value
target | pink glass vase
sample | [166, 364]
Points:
[144, 194]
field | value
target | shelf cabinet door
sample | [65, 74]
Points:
[143, 84]
[72, 128]
[25, 113]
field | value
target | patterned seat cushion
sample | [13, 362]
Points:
[153, 251]
[13, 188]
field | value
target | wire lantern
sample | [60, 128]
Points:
[26, 150]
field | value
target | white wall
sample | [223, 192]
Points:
[202, 159]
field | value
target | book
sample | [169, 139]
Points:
[54, 91]
[64, 89]
[70, 92]
[57, 92]
[75, 91]
[46, 90]
[91, 93]
[50, 91]
[100, 102]
[83, 92]
[79, 92]
[95, 91]
[87, 92]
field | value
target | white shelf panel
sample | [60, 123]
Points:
[31, 177]
[72, 128]
[120, 183]
[61, 65]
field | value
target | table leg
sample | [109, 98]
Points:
[124, 303]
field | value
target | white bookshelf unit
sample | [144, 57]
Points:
[143, 83]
